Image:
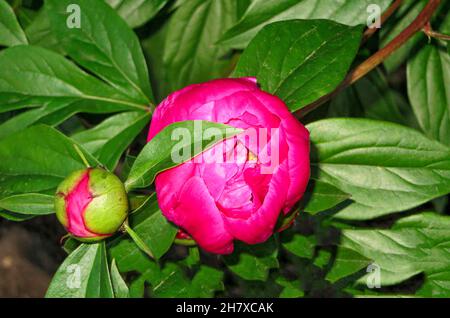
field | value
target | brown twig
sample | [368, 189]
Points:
[386, 15]
[372, 62]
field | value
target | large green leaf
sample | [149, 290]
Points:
[385, 167]
[108, 140]
[263, 12]
[300, 61]
[346, 263]
[104, 44]
[157, 155]
[32, 76]
[416, 244]
[321, 196]
[137, 12]
[190, 54]
[253, 262]
[29, 204]
[36, 160]
[429, 91]
[10, 31]
[84, 274]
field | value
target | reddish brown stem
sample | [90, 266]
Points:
[372, 62]
[386, 15]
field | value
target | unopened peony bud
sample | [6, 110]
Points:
[91, 204]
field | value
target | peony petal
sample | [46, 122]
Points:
[260, 225]
[197, 213]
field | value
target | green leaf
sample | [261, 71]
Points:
[193, 257]
[120, 288]
[321, 196]
[416, 244]
[253, 262]
[25, 16]
[40, 34]
[84, 274]
[15, 217]
[206, 282]
[137, 12]
[347, 262]
[263, 12]
[436, 285]
[153, 228]
[190, 54]
[371, 97]
[70, 244]
[32, 76]
[385, 167]
[158, 154]
[29, 204]
[300, 61]
[291, 288]
[10, 31]
[299, 245]
[171, 281]
[52, 113]
[138, 241]
[128, 256]
[105, 45]
[153, 47]
[428, 80]
[108, 140]
[401, 19]
[37, 160]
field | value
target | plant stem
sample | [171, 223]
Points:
[386, 15]
[137, 240]
[433, 34]
[82, 156]
[372, 62]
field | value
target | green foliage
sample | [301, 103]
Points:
[11, 32]
[429, 92]
[84, 273]
[190, 54]
[137, 13]
[108, 49]
[319, 56]
[263, 12]
[378, 148]
[385, 167]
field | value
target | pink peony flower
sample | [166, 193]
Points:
[242, 198]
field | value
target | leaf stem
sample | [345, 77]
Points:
[433, 34]
[137, 240]
[376, 59]
[82, 156]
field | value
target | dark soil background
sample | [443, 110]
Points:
[30, 253]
